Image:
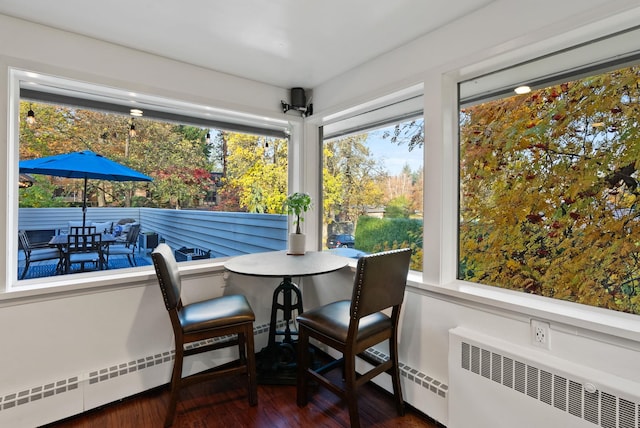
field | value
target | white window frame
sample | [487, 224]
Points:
[441, 209]
[15, 288]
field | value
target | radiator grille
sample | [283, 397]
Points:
[14, 399]
[602, 408]
[37, 393]
[414, 375]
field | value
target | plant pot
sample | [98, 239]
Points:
[296, 243]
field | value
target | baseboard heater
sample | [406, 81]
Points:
[493, 383]
[62, 398]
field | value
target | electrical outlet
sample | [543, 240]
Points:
[540, 334]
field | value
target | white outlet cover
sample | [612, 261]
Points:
[543, 340]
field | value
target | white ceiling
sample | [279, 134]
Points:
[287, 43]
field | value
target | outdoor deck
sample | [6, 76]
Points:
[48, 268]
[222, 234]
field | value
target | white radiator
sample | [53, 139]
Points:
[495, 384]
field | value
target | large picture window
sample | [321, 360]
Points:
[373, 189]
[217, 189]
[549, 189]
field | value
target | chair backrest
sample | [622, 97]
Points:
[24, 240]
[168, 276]
[380, 282]
[82, 230]
[84, 243]
[132, 235]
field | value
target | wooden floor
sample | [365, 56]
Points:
[223, 403]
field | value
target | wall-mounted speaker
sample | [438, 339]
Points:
[298, 98]
[298, 102]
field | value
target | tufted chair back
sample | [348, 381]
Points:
[168, 276]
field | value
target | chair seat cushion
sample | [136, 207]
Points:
[39, 254]
[332, 320]
[120, 249]
[221, 311]
[83, 257]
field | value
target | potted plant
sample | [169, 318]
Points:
[297, 204]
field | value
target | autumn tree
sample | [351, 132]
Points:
[549, 191]
[353, 167]
[256, 171]
[176, 156]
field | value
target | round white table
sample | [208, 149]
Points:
[278, 264]
[281, 264]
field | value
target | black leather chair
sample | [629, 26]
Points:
[353, 326]
[214, 318]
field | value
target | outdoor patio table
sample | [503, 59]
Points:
[276, 362]
[61, 242]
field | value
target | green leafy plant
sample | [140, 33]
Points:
[296, 204]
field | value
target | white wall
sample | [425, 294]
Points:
[503, 33]
[74, 332]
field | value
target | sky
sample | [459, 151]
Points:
[393, 157]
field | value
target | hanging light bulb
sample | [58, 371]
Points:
[132, 130]
[208, 139]
[31, 117]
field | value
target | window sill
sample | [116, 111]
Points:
[58, 287]
[611, 326]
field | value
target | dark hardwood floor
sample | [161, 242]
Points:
[223, 403]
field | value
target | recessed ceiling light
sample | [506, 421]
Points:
[522, 90]
[136, 112]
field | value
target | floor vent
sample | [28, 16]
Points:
[39, 392]
[580, 399]
[413, 375]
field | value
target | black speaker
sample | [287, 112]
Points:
[298, 98]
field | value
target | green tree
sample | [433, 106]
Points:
[39, 195]
[398, 207]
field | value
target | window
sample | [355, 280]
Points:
[209, 170]
[549, 182]
[373, 186]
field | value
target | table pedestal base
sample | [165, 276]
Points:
[276, 363]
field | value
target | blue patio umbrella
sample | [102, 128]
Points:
[85, 165]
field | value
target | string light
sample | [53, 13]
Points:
[31, 117]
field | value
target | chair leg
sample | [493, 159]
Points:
[303, 365]
[175, 385]
[242, 343]
[395, 375]
[251, 367]
[26, 268]
[351, 394]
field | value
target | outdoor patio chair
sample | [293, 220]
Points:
[33, 253]
[353, 326]
[126, 247]
[81, 230]
[228, 320]
[82, 249]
